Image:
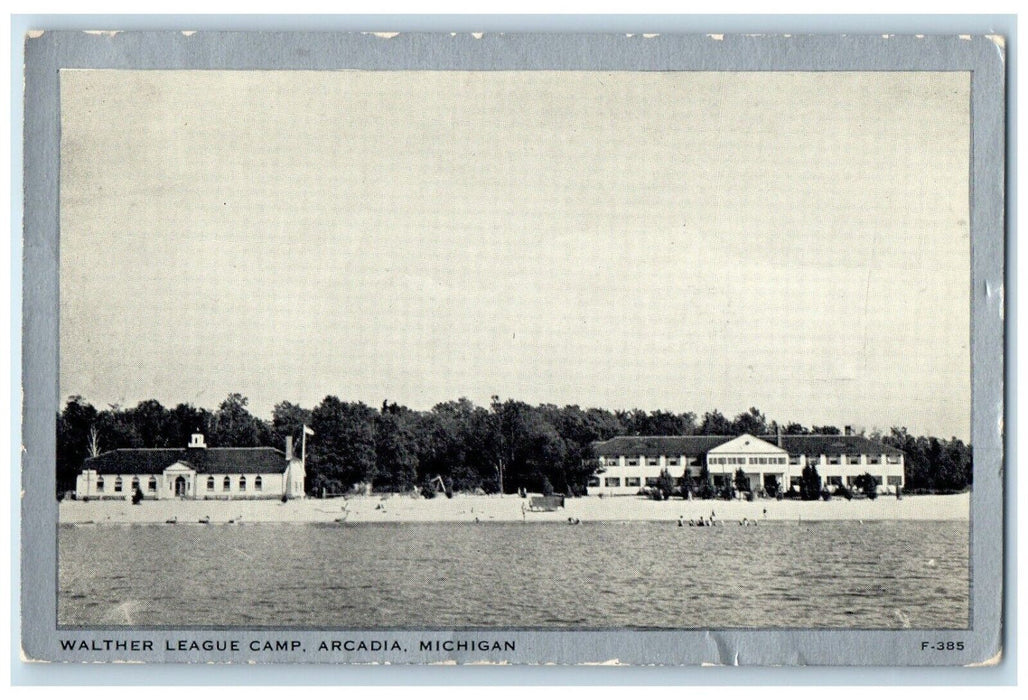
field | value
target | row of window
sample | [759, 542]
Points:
[151, 486]
[793, 459]
[630, 481]
[746, 460]
[634, 481]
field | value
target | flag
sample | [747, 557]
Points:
[307, 431]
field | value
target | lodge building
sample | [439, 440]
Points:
[629, 463]
[196, 472]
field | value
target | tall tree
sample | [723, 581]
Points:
[343, 451]
[74, 425]
[752, 422]
[287, 420]
[235, 426]
[714, 423]
[396, 452]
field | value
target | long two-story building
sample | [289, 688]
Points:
[629, 463]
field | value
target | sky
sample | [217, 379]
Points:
[683, 241]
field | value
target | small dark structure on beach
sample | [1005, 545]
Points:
[546, 503]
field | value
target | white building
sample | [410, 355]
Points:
[196, 472]
[629, 463]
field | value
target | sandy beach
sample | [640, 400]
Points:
[470, 509]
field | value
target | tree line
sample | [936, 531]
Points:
[508, 445]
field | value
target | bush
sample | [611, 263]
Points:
[427, 492]
[665, 484]
[547, 487]
[742, 482]
[867, 484]
[826, 495]
[843, 492]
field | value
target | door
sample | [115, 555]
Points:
[180, 486]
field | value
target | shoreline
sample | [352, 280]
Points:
[405, 509]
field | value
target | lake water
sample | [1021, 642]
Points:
[594, 575]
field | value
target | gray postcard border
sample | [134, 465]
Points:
[46, 54]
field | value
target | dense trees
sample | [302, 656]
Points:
[932, 464]
[508, 444]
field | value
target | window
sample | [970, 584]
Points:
[135, 484]
[242, 483]
[652, 481]
[672, 461]
[117, 485]
[152, 486]
[210, 483]
[594, 481]
[834, 459]
[99, 483]
[853, 459]
[834, 481]
[226, 484]
[653, 461]
[612, 481]
[795, 482]
[894, 480]
[631, 481]
[893, 459]
[610, 461]
[632, 462]
[813, 459]
[874, 459]
[257, 483]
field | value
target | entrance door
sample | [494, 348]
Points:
[180, 486]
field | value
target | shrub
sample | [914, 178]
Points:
[547, 487]
[742, 482]
[826, 495]
[843, 492]
[665, 484]
[867, 484]
[810, 483]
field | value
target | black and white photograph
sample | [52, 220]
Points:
[496, 350]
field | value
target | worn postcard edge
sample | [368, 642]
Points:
[46, 53]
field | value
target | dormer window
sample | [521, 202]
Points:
[196, 441]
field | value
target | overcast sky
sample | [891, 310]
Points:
[681, 241]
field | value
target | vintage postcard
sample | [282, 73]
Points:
[530, 349]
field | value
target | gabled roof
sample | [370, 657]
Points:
[696, 445]
[212, 460]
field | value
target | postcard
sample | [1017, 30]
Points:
[513, 348]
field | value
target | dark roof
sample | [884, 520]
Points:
[211, 460]
[656, 445]
[695, 445]
[831, 445]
